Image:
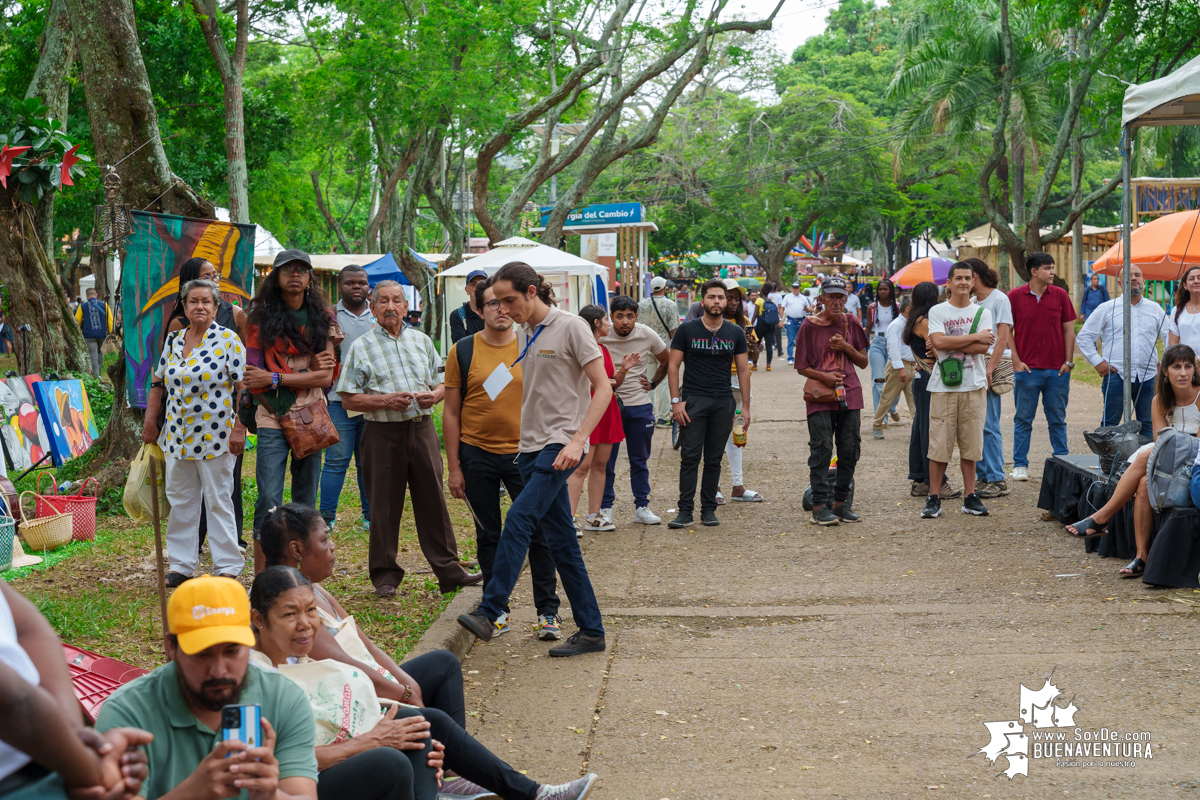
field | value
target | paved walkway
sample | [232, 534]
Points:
[770, 658]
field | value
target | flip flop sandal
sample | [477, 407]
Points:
[748, 497]
[1135, 567]
[720, 499]
[1087, 524]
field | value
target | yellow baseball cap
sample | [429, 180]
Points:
[206, 611]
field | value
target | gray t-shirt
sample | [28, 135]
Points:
[640, 340]
[353, 326]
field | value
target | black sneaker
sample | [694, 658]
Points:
[823, 516]
[709, 518]
[682, 521]
[948, 491]
[933, 507]
[973, 505]
[478, 623]
[577, 643]
[845, 513]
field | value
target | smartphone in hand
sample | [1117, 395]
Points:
[242, 723]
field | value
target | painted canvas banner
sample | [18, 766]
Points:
[158, 247]
[24, 434]
[68, 418]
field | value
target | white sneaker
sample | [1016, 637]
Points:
[645, 516]
[607, 514]
[1020, 473]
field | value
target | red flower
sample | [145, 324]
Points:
[6, 158]
[69, 160]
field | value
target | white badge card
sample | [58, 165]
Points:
[496, 382]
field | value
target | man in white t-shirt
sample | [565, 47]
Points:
[961, 334]
[853, 303]
[795, 309]
[989, 472]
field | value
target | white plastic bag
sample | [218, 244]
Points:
[139, 497]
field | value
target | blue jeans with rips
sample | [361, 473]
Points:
[337, 459]
[1054, 391]
[544, 499]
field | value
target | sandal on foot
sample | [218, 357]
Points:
[748, 496]
[1133, 569]
[1089, 524]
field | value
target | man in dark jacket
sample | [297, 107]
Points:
[465, 320]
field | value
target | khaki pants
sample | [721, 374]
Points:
[891, 390]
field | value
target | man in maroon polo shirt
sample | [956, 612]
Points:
[1043, 348]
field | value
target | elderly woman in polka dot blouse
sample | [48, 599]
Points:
[200, 376]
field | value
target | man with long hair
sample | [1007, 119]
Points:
[989, 470]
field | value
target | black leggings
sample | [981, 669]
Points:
[380, 774]
[440, 677]
[766, 340]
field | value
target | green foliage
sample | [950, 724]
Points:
[39, 169]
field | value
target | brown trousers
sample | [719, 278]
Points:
[399, 456]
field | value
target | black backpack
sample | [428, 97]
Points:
[770, 313]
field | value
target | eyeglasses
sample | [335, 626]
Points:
[492, 305]
[295, 268]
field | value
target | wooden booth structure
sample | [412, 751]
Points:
[617, 237]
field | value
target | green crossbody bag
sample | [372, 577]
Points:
[951, 369]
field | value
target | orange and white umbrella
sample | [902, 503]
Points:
[1164, 248]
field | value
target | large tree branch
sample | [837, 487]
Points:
[329, 220]
[1087, 202]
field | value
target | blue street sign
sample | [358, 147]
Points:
[606, 213]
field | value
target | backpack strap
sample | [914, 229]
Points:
[464, 349]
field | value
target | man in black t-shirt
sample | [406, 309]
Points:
[704, 407]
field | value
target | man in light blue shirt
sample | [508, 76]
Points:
[1093, 295]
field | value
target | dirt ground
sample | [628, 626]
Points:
[771, 658]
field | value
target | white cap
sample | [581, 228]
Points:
[658, 282]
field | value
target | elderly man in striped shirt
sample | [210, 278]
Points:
[393, 376]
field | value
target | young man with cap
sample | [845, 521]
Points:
[824, 345]
[637, 413]
[660, 314]
[208, 649]
[795, 309]
[465, 320]
[354, 317]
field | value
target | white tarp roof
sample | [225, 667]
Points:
[542, 258]
[265, 243]
[1171, 100]
[324, 262]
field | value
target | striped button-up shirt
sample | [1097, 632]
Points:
[379, 363]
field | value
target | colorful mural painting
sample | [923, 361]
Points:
[25, 436]
[68, 418]
[158, 247]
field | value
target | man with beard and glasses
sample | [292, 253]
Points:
[180, 704]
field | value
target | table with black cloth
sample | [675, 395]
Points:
[1073, 487]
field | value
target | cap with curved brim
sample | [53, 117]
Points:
[192, 642]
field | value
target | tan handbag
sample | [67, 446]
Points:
[308, 430]
[816, 391]
[1003, 380]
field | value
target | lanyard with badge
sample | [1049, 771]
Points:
[502, 375]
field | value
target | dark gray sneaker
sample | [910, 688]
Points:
[989, 489]
[577, 643]
[845, 513]
[575, 790]
[973, 505]
[709, 518]
[478, 623]
[682, 521]
[822, 515]
[933, 507]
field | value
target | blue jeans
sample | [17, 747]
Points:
[991, 467]
[1112, 389]
[544, 499]
[793, 328]
[638, 422]
[1054, 390]
[879, 360]
[1196, 485]
[337, 459]
[273, 453]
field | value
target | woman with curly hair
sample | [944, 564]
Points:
[290, 358]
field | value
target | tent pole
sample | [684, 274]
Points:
[1127, 202]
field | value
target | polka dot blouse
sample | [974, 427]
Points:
[199, 391]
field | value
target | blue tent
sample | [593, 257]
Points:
[386, 269]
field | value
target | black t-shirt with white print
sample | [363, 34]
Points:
[708, 356]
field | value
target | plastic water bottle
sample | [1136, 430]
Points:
[739, 429]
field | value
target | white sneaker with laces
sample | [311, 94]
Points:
[645, 516]
[1020, 473]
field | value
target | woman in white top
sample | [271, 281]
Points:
[1184, 319]
[1176, 405]
[879, 315]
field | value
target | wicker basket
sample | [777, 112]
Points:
[83, 507]
[8, 530]
[47, 533]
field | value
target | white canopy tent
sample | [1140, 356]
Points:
[1171, 100]
[574, 278]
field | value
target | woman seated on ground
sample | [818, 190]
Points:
[1176, 405]
[295, 535]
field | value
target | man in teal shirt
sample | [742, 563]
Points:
[180, 703]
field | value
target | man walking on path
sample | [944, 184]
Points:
[482, 432]
[465, 320]
[961, 333]
[898, 374]
[1093, 295]
[561, 362]
[354, 317]
[1107, 324]
[1043, 350]
[391, 374]
[989, 472]
[660, 314]
[95, 319]
[833, 400]
[637, 413]
[795, 308]
[704, 408]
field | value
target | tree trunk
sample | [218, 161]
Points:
[231, 69]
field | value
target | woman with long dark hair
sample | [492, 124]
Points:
[1184, 321]
[735, 313]
[290, 355]
[924, 297]
[880, 314]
